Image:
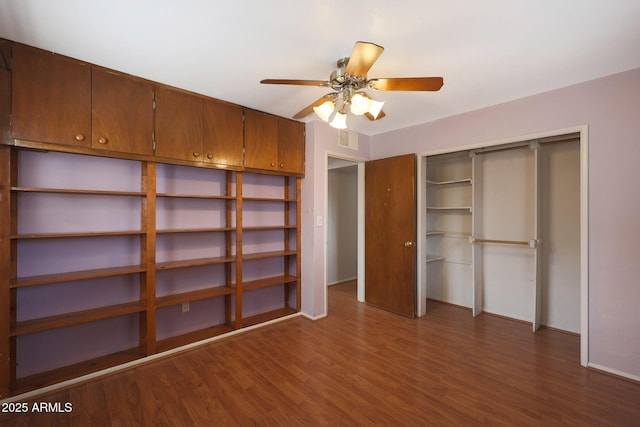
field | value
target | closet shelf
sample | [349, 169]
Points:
[194, 262]
[433, 258]
[267, 282]
[450, 208]
[76, 275]
[75, 318]
[448, 234]
[200, 294]
[456, 181]
[75, 191]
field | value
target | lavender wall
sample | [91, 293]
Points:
[610, 107]
[321, 140]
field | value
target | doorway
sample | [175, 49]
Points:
[343, 223]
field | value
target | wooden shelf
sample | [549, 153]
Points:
[53, 376]
[194, 262]
[76, 275]
[195, 230]
[76, 234]
[75, 318]
[269, 227]
[191, 337]
[270, 281]
[455, 181]
[265, 317]
[195, 196]
[81, 192]
[262, 255]
[201, 294]
[267, 199]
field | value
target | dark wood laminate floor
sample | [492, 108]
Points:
[360, 366]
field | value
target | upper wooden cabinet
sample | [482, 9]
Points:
[64, 101]
[291, 146]
[273, 143]
[223, 133]
[179, 125]
[122, 113]
[190, 127]
[58, 100]
[51, 99]
[5, 89]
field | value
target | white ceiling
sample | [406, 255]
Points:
[487, 51]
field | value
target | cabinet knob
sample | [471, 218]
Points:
[102, 140]
[273, 164]
[196, 154]
[209, 156]
[79, 137]
[281, 165]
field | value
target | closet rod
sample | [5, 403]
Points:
[495, 150]
[504, 242]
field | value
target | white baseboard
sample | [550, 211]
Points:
[615, 372]
[314, 318]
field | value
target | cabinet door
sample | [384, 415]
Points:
[51, 99]
[260, 140]
[5, 91]
[121, 114]
[290, 146]
[178, 125]
[223, 133]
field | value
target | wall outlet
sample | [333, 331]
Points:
[185, 307]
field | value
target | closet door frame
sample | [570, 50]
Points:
[583, 131]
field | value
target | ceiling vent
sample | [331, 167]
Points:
[348, 139]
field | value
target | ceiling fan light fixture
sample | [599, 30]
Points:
[324, 110]
[339, 121]
[360, 104]
[375, 107]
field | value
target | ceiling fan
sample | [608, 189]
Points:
[349, 82]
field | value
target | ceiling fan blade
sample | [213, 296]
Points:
[407, 83]
[381, 114]
[363, 56]
[320, 83]
[309, 109]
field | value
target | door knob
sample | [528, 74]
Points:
[408, 244]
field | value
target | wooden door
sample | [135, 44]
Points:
[260, 140]
[122, 113]
[223, 133]
[178, 124]
[51, 99]
[290, 146]
[390, 234]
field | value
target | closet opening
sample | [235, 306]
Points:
[503, 231]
